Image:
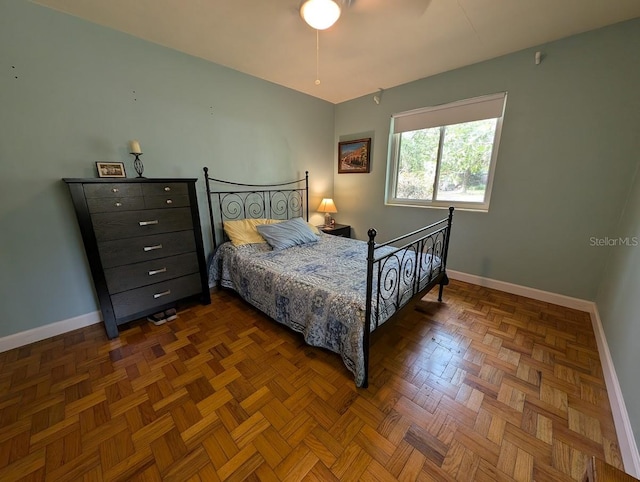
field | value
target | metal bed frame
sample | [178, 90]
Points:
[402, 275]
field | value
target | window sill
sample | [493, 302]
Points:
[458, 206]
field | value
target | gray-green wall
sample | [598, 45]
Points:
[618, 302]
[81, 93]
[568, 152]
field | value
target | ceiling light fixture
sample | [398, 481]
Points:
[320, 14]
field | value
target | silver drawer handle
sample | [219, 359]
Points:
[151, 248]
[148, 223]
[169, 201]
[115, 189]
[118, 205]
[167, 189]
[164, 293]
[156, 271]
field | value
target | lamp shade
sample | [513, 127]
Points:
[320, 14]
[327, 206]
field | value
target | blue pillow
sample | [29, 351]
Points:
[287, 233]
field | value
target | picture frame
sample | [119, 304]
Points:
[110, 169]
[354, 156]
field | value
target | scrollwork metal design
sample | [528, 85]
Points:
[405, 271]
[254, 201]
[286, 204]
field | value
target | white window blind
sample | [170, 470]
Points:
[468, 110]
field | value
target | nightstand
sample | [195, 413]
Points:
[343, 230]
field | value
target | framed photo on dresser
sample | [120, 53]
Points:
[111, 169]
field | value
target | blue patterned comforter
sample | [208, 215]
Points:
[317, 289]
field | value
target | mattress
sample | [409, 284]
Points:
[319, 289]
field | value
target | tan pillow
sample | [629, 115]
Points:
[243, 231]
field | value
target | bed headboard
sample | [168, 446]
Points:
[283, 200]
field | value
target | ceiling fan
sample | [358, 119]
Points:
[322, 14]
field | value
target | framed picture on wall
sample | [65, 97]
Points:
[354, 156]
[111, 169]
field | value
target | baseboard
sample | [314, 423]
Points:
[536, 294]
[626, 440]
[47, 331]
[624, 431]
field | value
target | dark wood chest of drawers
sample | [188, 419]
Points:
[144, 244]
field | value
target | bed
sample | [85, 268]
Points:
[335, 291]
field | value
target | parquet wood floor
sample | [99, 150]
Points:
[486, 386]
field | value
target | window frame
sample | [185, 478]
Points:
[393, 158]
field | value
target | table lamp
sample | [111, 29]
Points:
[327, 206]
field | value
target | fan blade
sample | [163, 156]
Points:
[412, 7]
[417, 7]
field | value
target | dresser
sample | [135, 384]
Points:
[143, 241]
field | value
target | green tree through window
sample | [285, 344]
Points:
[444, 165]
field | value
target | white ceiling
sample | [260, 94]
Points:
[375, 43]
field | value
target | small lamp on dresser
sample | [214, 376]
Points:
[328, 207]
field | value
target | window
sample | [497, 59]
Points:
[445, 155]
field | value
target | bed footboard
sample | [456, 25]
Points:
[412, 269]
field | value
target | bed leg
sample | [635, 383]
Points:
[445, 281]
[365, 381]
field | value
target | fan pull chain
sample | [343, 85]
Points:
[317, 57]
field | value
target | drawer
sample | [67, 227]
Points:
[146, 298]
[116, 204]
[156, 188]
[343, 232]
[128, 224]
[145, 248]
[116, 189]
[166, 201]
[132, 276]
